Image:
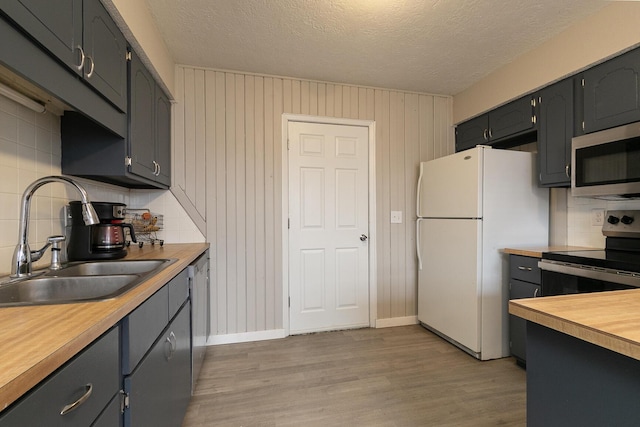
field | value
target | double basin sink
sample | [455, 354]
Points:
[80, 282]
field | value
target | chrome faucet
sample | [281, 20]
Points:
[22, 256]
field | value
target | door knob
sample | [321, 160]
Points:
[363, 237]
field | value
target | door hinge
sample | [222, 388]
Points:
[128, 56]
[288, 145]
[289, 301]
[124, 401]
[288, 223]
[127, 161]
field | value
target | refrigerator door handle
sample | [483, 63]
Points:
[418, 191]
[418, 243]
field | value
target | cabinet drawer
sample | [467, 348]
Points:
[141, 328]
[524, 268]
[97, 366]
[178, 292]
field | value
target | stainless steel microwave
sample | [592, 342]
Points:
[606, 164]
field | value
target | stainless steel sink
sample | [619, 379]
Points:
[80, 281]
[100, 268]
[56, 290]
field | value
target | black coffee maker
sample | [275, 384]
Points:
[100, 241]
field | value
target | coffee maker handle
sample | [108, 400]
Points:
[131, 231]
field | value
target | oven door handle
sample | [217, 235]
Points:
[603, 274]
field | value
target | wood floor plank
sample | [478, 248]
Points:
[392, 377]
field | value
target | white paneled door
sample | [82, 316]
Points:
[329, 227]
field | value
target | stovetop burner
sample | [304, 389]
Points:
[622, 251]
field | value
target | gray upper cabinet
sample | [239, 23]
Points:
[105, 50]
[82, 36]
[472, 132]
[150, 126]
[555, 130]
[143, 158]
[498, 126]
[57, 25]
[612, 92]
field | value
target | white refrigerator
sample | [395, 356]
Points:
[470, 205]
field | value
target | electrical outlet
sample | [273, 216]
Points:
[396, 217]
[597, 217]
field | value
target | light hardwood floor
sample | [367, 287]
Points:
[403, 376]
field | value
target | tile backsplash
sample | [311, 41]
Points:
[30, 148]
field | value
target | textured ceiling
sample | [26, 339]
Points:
[433, 46]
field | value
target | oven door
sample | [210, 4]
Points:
[559, 278]
[606, 163]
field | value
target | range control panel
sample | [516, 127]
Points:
[621, 223]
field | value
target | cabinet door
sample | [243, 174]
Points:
[517, 325]
[56, 25]
[160, 388]
[510, 119]
[612, 92]
[93, 374]
[141, 126]
[163, 137]
[554, 134]
[106, 50]
[472, 132]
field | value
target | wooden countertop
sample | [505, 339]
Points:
[36, 340]
[536, 252]
[607, 319]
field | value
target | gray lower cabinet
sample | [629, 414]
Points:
[156, 357]
[524, 282]
[86, 388]
[159, 388]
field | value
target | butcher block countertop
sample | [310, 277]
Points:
[607, 319]
[536, 252]
[36, 340]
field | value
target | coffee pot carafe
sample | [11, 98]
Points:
[105, 240]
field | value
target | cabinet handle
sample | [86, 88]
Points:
[523, 268]
[490, 133]
[156, 168]
[567, 171]
[171, 340]
[485, 134]
[536, 292]
[73, 406]
[93, 65]
[158, 173]
[82, 57]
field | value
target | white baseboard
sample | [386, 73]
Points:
[272, 334]
[396, 321]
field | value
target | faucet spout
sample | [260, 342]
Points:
[22, 255]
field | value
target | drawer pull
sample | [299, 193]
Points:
[536, 292]
[523, 268]
[171, 340]
[73, 406]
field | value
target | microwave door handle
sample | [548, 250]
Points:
[418, 191]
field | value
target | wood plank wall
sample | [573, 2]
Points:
[230, 124]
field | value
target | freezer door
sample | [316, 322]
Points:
[451, 186]
[449, 284]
